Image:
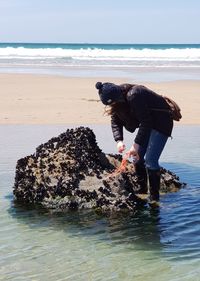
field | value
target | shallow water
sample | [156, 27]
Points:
[151, 245]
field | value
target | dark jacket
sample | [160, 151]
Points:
[137, 112]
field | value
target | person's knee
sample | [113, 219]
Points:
[152, 164]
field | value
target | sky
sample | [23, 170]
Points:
[100, 21]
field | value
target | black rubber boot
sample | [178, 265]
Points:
[141, 174]
[154, 184]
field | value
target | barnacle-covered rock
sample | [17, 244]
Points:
[71, 172]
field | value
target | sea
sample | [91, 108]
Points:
[161, 244]
[136, 61]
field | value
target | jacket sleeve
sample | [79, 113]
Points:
[142, 112]
[117, 128]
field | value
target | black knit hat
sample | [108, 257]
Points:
[109, 92]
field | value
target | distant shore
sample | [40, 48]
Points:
[46, 99]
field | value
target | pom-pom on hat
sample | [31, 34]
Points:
[109, 92]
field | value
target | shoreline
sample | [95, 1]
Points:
[55, 99]
[144, 74]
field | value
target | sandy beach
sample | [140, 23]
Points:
[46, 99]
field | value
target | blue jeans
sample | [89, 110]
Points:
[150, 153]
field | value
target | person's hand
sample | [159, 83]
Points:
[120, 146]
[133, 152]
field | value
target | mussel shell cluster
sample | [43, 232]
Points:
[71, 172]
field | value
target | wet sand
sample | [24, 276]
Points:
[46, 99]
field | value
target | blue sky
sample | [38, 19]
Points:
[100, 21]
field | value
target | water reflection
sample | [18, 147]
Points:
[140, 231]
[171, 231]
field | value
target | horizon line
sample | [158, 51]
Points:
[92, 43]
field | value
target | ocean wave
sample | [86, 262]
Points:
[131, 54]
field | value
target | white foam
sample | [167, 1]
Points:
[172, 54]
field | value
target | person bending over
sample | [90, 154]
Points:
[135, 106]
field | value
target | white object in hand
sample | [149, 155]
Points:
[120, 146]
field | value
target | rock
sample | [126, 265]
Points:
[71, 172]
